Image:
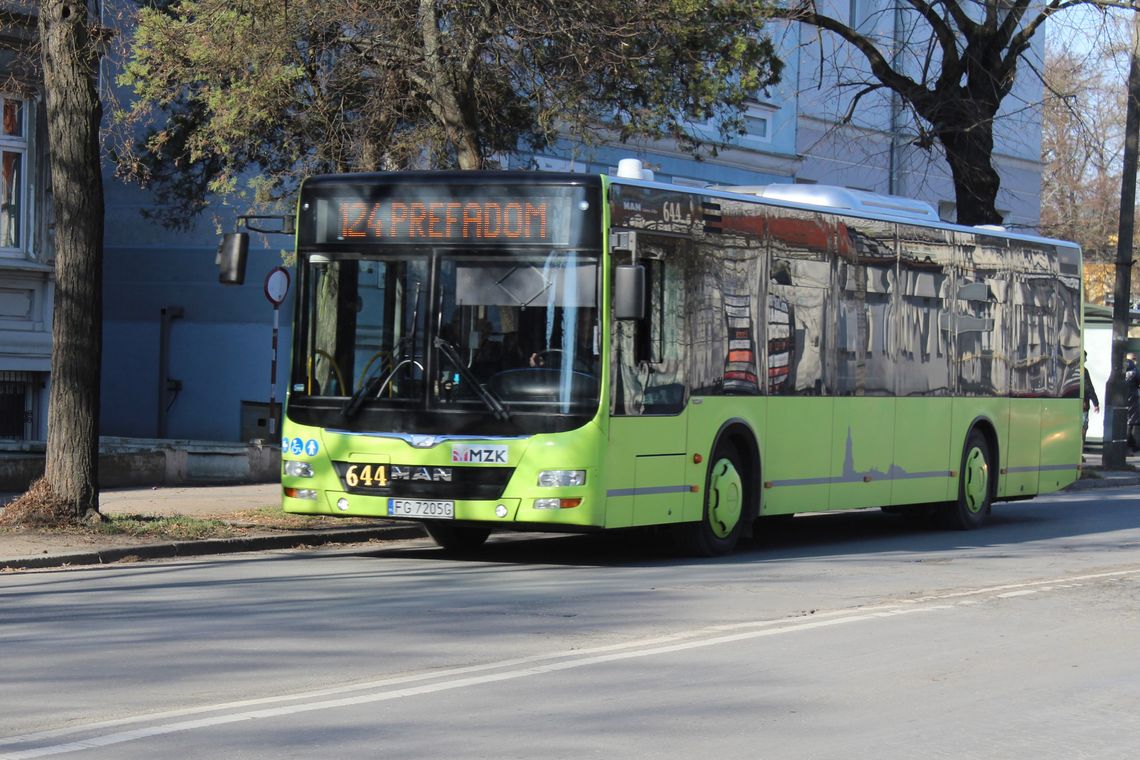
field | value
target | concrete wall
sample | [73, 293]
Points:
[154, 463]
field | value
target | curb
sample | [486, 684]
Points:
[1102, 482]
[216, 546]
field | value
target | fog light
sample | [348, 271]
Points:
[342, 504]
[501, 510]
[301, 493]
[554, 478]
[297, 469]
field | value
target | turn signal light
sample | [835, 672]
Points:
[556, 503]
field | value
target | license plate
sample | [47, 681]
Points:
[434, 510]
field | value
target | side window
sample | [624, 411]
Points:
[981, 317]
[865, 269]
[926, 308]
[649, 354]
[1068, 314]
[725, 315]
[800, 309]
[13, 171]
[1045, 327]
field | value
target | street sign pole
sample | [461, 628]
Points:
[276, 288]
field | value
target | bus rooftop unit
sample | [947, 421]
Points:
[541, 351]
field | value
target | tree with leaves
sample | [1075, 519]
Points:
[952, 64]
[1082, 141]
[278, 90]
[70, 50]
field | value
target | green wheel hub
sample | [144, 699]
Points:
[726, 498]
[976, 480]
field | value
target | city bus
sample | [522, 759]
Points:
[528, 351]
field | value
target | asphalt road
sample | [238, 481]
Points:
[854, 635]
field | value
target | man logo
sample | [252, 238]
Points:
[408, 472]
[467, 454]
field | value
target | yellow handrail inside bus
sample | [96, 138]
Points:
[336, 370]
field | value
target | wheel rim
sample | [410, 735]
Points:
[976, 485]
[726, 498]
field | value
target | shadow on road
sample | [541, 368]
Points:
[1090, 517]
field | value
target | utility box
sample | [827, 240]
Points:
[255, 422]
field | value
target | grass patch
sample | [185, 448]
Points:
[278, 519]
[176, 527]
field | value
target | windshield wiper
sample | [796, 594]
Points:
[369, 388]
[488, 398]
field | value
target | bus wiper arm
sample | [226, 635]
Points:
[488, 398]
[369, 388]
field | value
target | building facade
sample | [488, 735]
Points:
[26, 261]
[186, 358]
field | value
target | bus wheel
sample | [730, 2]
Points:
[721, 524]
[975, 488]
[455, 538]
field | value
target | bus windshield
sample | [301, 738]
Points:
[491, 334]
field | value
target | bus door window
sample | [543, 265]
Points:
[649, 355]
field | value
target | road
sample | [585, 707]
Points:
[856, 635]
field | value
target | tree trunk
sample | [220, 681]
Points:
[969, 150]
[70, 65]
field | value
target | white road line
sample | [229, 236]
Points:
[428, 676]
[448, 685]
[458, 678]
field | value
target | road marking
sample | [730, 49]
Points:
[458, 678]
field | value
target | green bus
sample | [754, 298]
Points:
[565, 352]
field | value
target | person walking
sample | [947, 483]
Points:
[1132, 395]
[1090, 400]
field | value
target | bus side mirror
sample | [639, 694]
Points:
[231, 258]
[629, 291]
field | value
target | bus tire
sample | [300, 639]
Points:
[457, 538]
[722, 517]
[975, 486]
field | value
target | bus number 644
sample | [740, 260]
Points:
[367, 474]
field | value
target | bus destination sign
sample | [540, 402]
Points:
[530, 220]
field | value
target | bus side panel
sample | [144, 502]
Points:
[706, 419]
[645, 484]
[1060, 443]
[967, 412]
[797, 454]
[1022, 456]
[923, 454]
[861, 452]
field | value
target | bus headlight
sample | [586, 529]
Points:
[297, 469]
[555, 478]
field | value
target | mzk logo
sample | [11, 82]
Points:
[461, 452]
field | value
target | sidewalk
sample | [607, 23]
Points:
[39, 549]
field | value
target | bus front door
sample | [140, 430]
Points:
[648, 464]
